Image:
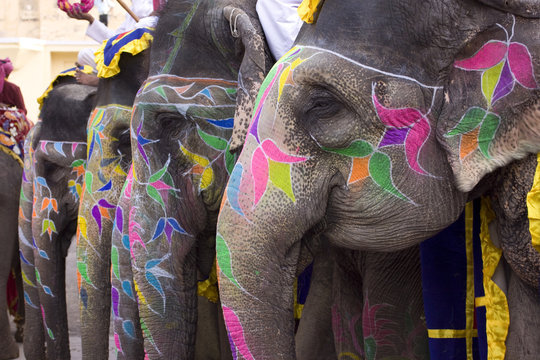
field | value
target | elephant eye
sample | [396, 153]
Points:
[322, 104]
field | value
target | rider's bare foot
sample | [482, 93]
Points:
[86, 79]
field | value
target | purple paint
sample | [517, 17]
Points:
[394, 136]
[505, 84]
[115, 301]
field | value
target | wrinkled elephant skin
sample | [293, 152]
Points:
[374, 140]
[181, 129]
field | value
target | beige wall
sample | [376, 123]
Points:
[41, 40]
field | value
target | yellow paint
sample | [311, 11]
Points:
[81, 226]
[452, 334]
[26, 280]
[141, 297]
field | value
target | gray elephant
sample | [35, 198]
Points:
[374, 130]
[208, 59]
[48, 220]
[13, 128]
[107, 164]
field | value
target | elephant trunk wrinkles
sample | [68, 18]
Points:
[264, 286]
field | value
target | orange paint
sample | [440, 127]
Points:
[79, 280]
[197, 169]
[45, 203]
[104, 213]
[360, 169]
[469, 143]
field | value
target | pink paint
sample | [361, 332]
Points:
[73, 148]
[160, 185]
[134, 236]
[488, 56]
[259, 171]
[416, 138]
[520, 63]
[236, 332]
[129, 180]
[274, 153]
[396, 117]
[117, 343]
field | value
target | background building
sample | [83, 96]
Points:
[41, 41]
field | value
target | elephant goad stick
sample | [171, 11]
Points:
[130, 12]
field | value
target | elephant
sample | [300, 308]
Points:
[51, 186]
[207, 62]
[107, 164]
[11, 155]
[374, 131]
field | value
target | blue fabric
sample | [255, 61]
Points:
[112, 47]
[444, 282]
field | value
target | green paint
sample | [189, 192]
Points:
[77, 163]
[380, 170]
[83, 270]
[266, 82]
[179, 35]
[51, 335]
[22, 196]
[115, 262]
[224, 259]
[161, 91]
[213, 141]
[38, 277]
[230, 160]
[472, 118]
[280, 175]
[88, 180]
[370, 347]
[487, 133]
[158, 175]
[357, 149]
[154, 194]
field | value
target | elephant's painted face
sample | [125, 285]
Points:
[353, 139]
[108, 157]
[332, 137]
[180, 134]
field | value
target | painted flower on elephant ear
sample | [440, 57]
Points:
[503, 64]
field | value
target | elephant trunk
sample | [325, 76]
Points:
[257, 291]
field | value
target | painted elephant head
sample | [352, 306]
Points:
[49, 206]
[108, 161]
[372, 130]
[201, 68]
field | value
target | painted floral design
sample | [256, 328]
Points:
[503, 64]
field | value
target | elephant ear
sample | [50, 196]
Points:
[256, 63]
[491, 111]
[525, 8]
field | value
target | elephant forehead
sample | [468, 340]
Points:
[173, 89]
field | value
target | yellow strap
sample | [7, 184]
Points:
[12, 154]
[306, 10]
[533, 208]
[208, 288]
[497, 315]
[452, 333]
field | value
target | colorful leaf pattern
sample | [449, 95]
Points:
[503, 64]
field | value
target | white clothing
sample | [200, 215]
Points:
[142, 8]
[104, 6]
[280, 22]
[86, 57]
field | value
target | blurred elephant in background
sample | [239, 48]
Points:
[51, 187]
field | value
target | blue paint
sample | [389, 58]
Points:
[129, 328]
[83, 295]
[225, 123]
[126, 286]
[233, 188]
[106, 187]
[125, 242]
